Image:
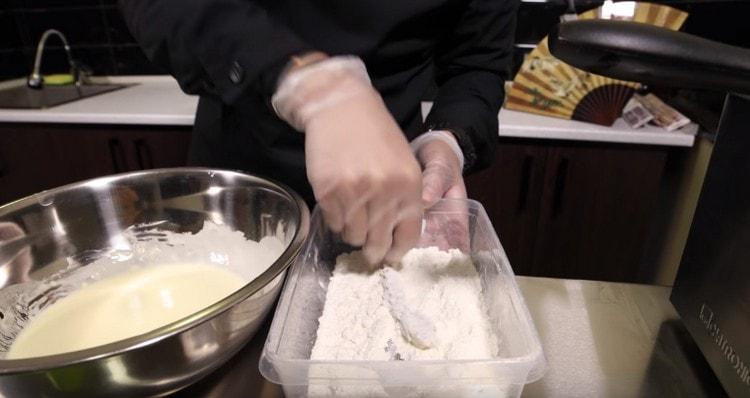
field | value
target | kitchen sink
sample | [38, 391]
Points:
[25, 97]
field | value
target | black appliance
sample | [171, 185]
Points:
[720, 20]
[712, 290]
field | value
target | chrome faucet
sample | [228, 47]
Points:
[36, 80]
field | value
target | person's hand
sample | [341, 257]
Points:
[442, 166]
[360, 166]
[446, 222]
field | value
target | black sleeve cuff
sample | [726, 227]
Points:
[464, 142]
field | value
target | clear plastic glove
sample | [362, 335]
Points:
[362, 171]
[442, 164]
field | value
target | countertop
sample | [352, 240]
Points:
[158, 100]
[152, 100]
[527, 125]
[601, 339]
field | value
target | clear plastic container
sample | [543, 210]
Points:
[520, 360]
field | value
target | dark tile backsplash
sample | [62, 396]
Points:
[95, 31]
[13, 63]
[117, 31]
[99, 59]
[9, 36]
[82, 27]
[130, 60]
[99, 37]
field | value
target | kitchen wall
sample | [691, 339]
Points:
[94, 28]
[100, 38]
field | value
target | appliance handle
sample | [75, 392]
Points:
[3, 166]
[523, 192]
[117, 155]
[143, 154]
[650, 54]
[559, 187]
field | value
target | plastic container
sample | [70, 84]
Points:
[286, 355]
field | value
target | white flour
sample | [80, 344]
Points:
[215, 244]
[436, 297]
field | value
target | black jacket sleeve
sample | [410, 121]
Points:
[213, 47]
[472, 65]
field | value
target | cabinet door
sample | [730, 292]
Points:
[28, 163]
[509, 190]
[596, 210]
[35, 157]
[95, 151]
[91, 152]
[156, 147]
[104, 150]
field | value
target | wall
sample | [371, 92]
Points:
[94, 28]
[100, 38]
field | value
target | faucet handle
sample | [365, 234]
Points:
[35, 81]
[80, 71]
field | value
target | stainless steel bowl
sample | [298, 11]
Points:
[76, 224]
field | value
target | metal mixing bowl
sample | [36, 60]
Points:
[60, 231]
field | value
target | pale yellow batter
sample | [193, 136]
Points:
[123, 306]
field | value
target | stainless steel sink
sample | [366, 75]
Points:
[35, 94]
[25, 97]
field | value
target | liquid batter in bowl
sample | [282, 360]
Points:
[124, 306]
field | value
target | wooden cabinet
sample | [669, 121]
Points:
[24, 163]
[561, 209]
[572, 210]
[509, 191]
[35, 157]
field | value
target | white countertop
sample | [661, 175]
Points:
[154, 100]
[158, 100]
[527, 125]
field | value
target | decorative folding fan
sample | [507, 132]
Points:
[546, 85]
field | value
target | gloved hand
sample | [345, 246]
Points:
[442, 164]
[447, 226]
[360, 166]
